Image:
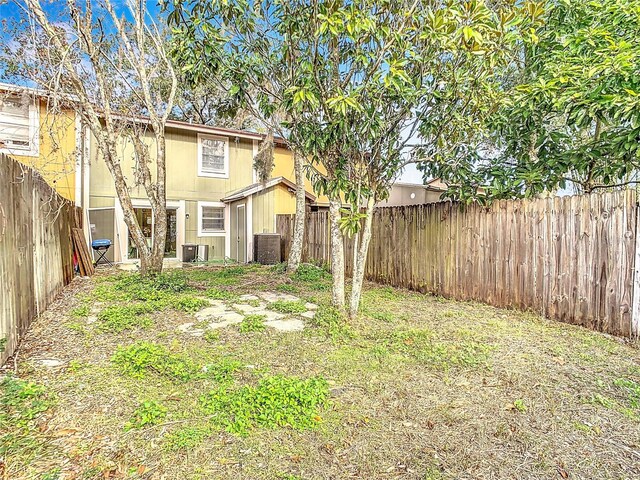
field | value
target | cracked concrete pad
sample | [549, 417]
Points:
[247, 297]
[188, 329]
[213, 311]
[216, 325]
[92, 319]
[274, 297]
[310, 306]
[217, 303]
[250, 309]
[232, 317]
[310, 314]
[287, 325]
[270, 315]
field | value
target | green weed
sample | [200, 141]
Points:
[421, 345]
[287, 288]
[21, 402]
[81, 312]
[284, 306]
[279, 268]
[141, 358]
[520, 406]
[186, 438]
[631, 389]
[117, 318]
[332, 321]
[219, 294]
[276, 401]
[222, 370]
[252, 323]
[310, 273]
[212, 336]
[189, 303]
[147, 414]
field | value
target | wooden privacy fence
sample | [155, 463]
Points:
[571, 259]
[36, 254]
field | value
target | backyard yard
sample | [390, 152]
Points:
[245, 372]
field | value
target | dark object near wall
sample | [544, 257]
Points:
[189, 252]
[266, 248]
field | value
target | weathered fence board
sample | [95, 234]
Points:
[569, 258]
[36, 256]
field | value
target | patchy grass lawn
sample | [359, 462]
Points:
[123, 378]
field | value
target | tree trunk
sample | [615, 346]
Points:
[337, 253]
[295, 255]
[361, 260]
[159, 206]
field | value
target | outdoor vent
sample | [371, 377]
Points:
[266, 248]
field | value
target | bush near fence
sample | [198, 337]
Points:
[571, 259]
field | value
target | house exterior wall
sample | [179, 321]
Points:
[183, 184]
[283, 167]
[56, 159]
[402, 195]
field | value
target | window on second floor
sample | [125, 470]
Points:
[213, 156]
[18, 125]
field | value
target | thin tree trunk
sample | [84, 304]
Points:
[337, 253]
[361, 260]
[295, 255]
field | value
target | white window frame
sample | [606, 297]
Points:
[225, 172]
[217, 233]
[34, 134]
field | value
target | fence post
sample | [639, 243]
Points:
[635, 309]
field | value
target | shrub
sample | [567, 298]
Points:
[139, 359]
[276, 401]
[252, 323]
[148, 413]
[284, 306]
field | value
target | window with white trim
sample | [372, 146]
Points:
[213, 156]
[211, 219]
[18, 125]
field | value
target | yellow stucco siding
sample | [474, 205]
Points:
[56, 160]
[285, 200]
[283, 167]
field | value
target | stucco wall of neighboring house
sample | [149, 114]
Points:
[56, 159]
[283, 167]
[410, 195]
